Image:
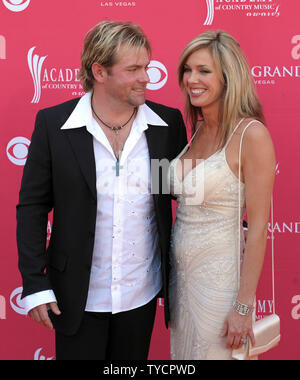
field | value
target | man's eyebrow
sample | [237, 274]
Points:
[138, 66]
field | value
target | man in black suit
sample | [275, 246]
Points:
[90, 162]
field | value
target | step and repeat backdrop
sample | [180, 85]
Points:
[40, 46]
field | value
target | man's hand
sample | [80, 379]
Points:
[40, 314]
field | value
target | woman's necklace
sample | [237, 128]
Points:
[115, 129]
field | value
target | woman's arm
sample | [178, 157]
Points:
[258, 167]
[258, 172]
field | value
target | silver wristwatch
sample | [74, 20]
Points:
[243, 309]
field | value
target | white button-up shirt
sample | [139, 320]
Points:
[125, 272]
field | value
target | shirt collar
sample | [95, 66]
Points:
[82, 115]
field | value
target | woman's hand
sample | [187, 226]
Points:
[237, 328]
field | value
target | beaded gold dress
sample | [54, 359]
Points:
[204, 262]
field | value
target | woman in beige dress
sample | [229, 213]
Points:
[211, 294]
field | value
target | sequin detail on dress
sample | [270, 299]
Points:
[204, 248]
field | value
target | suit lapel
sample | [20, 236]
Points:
[155, 143]
[82, 144]
[156, 139]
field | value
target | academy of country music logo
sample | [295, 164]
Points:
[16, 5]
[56, 78]
[51, 78]
[250, 8]
[210, 12]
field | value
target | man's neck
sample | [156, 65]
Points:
[111, 112]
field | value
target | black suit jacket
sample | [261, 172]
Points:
[60, 175]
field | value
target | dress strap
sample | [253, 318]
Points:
[232, 133]
[192, 138]
[188, 144]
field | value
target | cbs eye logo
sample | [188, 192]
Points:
[17, 150]
[158, 75]
[16, 5]
[16, 302]
[39, 356]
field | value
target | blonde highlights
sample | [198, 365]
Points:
[102, 44]
[240, 99]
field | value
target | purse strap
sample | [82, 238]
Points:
[239, 221]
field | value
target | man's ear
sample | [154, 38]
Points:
[99, 72]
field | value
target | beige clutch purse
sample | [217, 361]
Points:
[267, 335]
[266, 330]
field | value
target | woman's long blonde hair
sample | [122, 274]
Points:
[240, 98]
